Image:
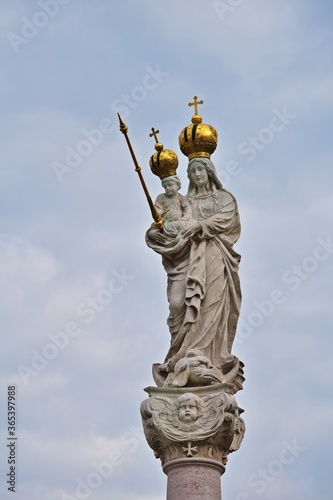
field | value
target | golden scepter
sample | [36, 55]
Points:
[157, 220]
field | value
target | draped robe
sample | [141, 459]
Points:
[203, 284]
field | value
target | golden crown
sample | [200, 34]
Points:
[197, 140]
[164, 162]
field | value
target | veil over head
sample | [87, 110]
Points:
[210, 169]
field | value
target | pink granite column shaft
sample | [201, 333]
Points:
[194, 479]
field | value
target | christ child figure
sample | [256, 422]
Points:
[173, 207]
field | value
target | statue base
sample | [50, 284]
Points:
[192, 430]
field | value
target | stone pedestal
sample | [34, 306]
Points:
[192, 430]
[194, 479]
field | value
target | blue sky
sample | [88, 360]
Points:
[74, 216]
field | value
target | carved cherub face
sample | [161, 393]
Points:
[171, 186]
[188, 408]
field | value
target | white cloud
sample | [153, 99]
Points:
[24, 267]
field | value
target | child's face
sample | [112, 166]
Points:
[188, 411]
[170, 187]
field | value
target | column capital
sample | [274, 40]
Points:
[192, 423]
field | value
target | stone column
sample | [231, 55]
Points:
[194, 479]
[192, 430]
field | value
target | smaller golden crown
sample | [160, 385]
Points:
[197, 140]
[164, 162]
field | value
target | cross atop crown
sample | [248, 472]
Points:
[158, 145]
[197, 140]
[195, 104]
[154, 134]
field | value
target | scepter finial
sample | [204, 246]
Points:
[122, 126]
[157, 219]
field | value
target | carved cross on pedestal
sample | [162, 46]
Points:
[195, 104]
[190, 449]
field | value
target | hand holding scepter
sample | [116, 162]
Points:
[157, 220]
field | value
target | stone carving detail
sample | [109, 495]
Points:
[195, 370]
[192, 413]
[195, 239]
[204, 423]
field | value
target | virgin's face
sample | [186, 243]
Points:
[198, 174]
